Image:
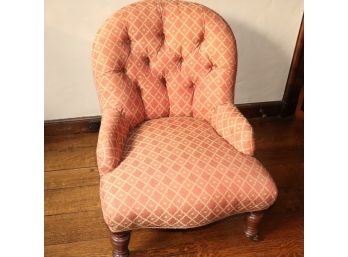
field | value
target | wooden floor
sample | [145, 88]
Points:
[74, 225]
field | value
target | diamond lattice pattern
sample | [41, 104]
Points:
[156, 59]
[173, 151]
[179, 173]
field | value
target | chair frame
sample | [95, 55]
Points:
[120, 240]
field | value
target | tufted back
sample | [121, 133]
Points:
[160, 58]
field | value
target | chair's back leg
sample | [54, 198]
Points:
[252, 222]
[120, 241]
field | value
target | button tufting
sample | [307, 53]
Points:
[146, 60]
[210, 66]
[122, 70]
[122, 113]
[161, 35]
[137, 87]
[200, 38]
[127, 40]
[180, 60]
[192, 85]
[163, 81]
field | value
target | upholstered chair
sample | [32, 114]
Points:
[173, 150]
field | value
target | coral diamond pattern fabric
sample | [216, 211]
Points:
[173, 151]
[174, 58]
[233, 126]
[178, 173]
[112, 136]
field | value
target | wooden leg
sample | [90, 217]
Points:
[120, 241]
[252, 221]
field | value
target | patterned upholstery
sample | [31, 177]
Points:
[112, 136]
[233, 126]
[173, 151]
[178, 172]
[166, 58]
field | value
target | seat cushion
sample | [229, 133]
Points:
[178, 172]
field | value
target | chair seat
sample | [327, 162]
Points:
[177, 172]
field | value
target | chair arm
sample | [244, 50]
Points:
[112, 136]
[233, 127]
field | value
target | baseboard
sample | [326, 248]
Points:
[261, 110]
[92, 123]
[72, 126]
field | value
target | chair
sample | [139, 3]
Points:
[173, 150]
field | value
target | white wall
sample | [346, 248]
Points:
[265, 30]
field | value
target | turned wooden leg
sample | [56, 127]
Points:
[120, 241]
[252, 221]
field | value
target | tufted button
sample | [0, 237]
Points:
[163, 81]
[146, 60]
[180, 60]
[127, 40]
[122, 113]
[200, 38]
[122, 70]
[210, 66]
[137, 87]
[191, 85]
[161, 36]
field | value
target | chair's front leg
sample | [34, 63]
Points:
[120, 241]
[252, 221]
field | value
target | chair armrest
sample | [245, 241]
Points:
[112, 136]
[233, 127]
